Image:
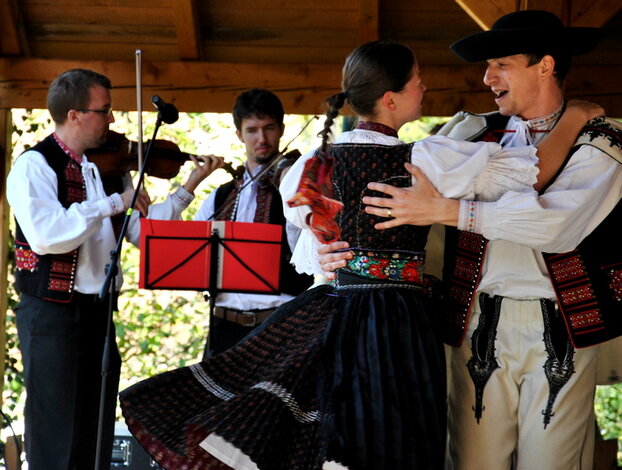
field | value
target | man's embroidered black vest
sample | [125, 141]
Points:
[269, 211]
[587, 281]
[51, 277]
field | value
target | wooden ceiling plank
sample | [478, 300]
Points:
[299, 19]
[485, 13]
[593, 13]
[100, 15]
[110, 51]
[369, 20]
[188, 29]
[9, 39]
[5, 214]
[64, 4]
[102, 34]
[561, 8]
[212, 87]
[14, 40]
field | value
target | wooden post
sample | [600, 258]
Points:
[5, 164]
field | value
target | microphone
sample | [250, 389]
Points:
[167, 111]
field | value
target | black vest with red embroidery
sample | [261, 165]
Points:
[587, 281]
[269, 211]
[52, 276]
[464, 251]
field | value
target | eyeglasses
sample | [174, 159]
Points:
[107, 112]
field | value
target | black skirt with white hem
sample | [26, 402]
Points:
[349, 379]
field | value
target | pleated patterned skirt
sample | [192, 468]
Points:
[350, 379]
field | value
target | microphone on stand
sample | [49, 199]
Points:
[168, 112]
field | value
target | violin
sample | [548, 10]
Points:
[118, 155]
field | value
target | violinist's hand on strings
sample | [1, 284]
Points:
[143, 201]
[204, 165]
[420, 204]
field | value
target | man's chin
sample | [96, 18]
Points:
[103, 138]
[504, 110]
[261, 159]
[96, 143]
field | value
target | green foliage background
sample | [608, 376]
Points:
[161, 330]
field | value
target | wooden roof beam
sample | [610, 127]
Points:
[593, 13]
[13, 39]
[212, 87]
[369, 20]
[188, 29]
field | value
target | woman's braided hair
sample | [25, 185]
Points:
[335, 103]
[369, 72]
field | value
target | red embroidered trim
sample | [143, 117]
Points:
[574, 291]
[60, 285]
[577, 294]
[463, 283]
[569, 269]
[585, 319]
[405, 267]
[615, 283]
[264, 202]
[76, 189]
[63, 271]
[73, 155]
[61, 267]
[377, 127]
[26, 259]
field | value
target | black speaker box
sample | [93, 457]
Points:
[127, 453]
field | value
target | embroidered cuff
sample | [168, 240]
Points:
[182, 198]
[468, 219]
[116, 203]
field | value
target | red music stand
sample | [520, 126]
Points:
[219, 256]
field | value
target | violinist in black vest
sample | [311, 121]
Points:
[64, 235]
[258, 118]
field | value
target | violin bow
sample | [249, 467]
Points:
[280, 155]
[139, 107]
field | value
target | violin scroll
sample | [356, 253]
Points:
[235, 172]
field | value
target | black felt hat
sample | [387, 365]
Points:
[527, 32]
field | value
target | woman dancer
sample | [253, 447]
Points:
[349, 375]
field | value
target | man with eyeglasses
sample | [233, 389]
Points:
[64, 235]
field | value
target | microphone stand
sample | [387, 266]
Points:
[109, 286]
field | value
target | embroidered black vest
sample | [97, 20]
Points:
[269, 211]
[464, 251]
[51, 277]
[587, 281]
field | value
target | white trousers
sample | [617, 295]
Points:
[511, 433]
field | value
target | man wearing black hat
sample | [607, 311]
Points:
[522, 383]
